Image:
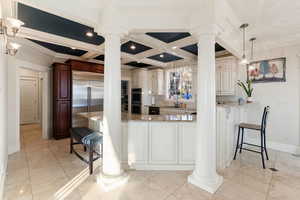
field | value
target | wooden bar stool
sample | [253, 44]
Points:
[262, 129]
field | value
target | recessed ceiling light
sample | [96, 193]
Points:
[161, 55]
[133, 47]
[89, 34]
[73, 48]
[174, 47]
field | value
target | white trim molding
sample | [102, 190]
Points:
[288, 148]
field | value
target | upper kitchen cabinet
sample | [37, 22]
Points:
[62, 81]
[156, 81]
[139, 79]
[226, 74]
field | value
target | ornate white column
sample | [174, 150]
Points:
[204, 174]
[112, 174]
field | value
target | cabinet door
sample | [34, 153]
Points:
[160, 82]
[218, 77]
[187, 145]
[163, 145]
[137, 142]
[62, 82]
[62, 119]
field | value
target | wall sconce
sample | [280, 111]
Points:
[9, 28]
[12, 48]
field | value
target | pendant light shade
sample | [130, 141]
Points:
[244, 60]
[251, 67]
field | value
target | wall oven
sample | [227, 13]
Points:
[136, 101]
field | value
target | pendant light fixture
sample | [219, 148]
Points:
[244, 60]
[251, 67]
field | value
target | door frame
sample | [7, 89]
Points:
[45, 114]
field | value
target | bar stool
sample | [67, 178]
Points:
[262, 129]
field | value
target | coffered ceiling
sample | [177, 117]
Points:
[59, 28]
[146, 49]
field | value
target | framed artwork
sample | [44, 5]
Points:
[272, 70]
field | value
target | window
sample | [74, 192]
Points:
[179, 83]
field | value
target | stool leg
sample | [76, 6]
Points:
[71, 144]
[265, 146]
[262, 151]
[91, 159]
[237, 144]
[242, 140]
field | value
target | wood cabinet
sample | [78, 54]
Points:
[62, 119]
[62, 102]
[226, 70]
[79, 65]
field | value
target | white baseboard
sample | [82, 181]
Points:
[277, 146]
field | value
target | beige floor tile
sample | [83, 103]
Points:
[281, 191]
[231, 190]
[19, 192]
[45, 169]
[191, 192]
[17, 177]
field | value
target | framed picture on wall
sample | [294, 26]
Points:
[273, 70]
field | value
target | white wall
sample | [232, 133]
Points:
[31, 59]
[3, 117]
[283, 130]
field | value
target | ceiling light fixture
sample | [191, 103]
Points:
[244, 60]
[174, 47]
[9, 27]
[132, 47]
[89, 34]
[73, 48]
[161, 55]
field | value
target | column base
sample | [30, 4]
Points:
[111, 182]
[206, 183]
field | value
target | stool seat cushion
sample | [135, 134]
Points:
[250, 126]
[93, 139]
[80, 132]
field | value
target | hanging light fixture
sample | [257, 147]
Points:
[244, 60]
[251, 67]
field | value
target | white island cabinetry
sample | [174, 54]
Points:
[161, 145]
[170, 145]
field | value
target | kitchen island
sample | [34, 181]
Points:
[167, 142]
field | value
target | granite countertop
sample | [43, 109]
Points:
[141, 117]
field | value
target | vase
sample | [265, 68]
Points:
[250, 99]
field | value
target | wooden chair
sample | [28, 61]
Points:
[262, 130]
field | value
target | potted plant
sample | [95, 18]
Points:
[247, 87]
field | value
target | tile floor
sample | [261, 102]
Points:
[44, 170]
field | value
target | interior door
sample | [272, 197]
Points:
[29, 100]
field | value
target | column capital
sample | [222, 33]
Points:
[211, 30]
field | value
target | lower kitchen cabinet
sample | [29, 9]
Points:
[137, 142]
[163, 140]
[187, 139]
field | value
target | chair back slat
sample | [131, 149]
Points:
[265, 117]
